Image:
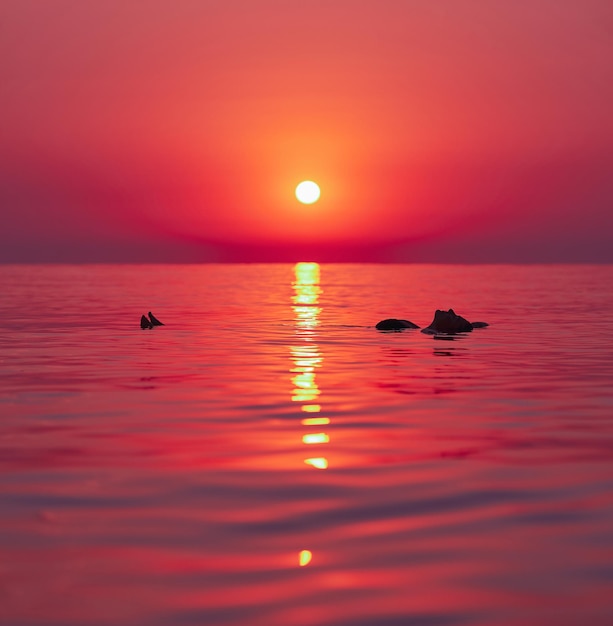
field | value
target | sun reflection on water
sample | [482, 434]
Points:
[319, 462]
[305, 557]
[306, 355]
[306, 360]
[314, 438]
[315, 421]
[311, 408]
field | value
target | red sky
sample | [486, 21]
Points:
[159, 130]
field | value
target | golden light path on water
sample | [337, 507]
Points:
[306, 359]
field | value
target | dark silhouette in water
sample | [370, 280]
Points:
[450, 323]
[447, 322]
[394, 324]
[145, 323]
[154, 320]
[149, 322]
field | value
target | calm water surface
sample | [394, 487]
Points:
[267, 457]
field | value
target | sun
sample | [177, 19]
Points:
[308, 192]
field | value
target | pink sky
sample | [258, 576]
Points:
[456, 130]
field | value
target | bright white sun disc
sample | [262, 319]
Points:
[308, 192]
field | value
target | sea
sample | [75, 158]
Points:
[267, 457]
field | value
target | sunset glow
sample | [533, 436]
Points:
[280, 274]
[432, 134]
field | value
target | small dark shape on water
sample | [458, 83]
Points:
[394, 324]
[145, 323]
[154, 320]
[450, 323]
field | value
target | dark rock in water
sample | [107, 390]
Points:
[145, 323]
[479, 324]
[154, 320]
[394, 324]
[450, 323]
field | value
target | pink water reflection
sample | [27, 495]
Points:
[175, 477]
